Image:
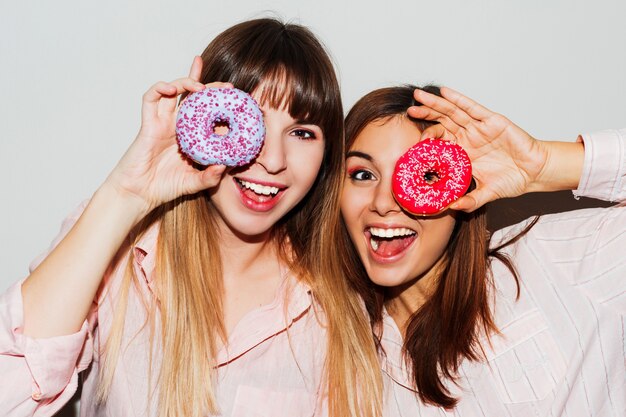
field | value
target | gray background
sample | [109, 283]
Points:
[73, 72]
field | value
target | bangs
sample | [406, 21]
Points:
[281, 90]
[382, 105]
[284, 64]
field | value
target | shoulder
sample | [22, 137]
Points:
[567, 226]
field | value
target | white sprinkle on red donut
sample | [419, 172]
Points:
[202, 110]
[430, 176]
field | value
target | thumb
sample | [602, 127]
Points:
[196, 68]
[211, 176]
[473, 200]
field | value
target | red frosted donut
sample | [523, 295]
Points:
[430, 176]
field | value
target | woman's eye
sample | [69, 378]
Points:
[361, 175]
[304, 134]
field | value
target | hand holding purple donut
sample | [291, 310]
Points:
[151, 171]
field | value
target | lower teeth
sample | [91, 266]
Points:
[374, 244]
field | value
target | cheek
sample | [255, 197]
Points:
[305, 160]
[353, 202]
[438, 236]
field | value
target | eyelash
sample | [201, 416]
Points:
[303, 133]
[356, 172]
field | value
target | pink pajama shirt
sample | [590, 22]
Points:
[272, 365]
[562, 351]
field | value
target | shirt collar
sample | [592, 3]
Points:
[292, 303]
[144, 253]
[392, 361]
[293, 300]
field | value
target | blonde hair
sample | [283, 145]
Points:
[189, 287]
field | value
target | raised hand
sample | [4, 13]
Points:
[152, 171]
[506, 161]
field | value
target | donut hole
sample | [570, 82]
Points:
[431, 177]
[221, 127]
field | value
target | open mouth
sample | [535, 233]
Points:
[391, 242]
[257, 196]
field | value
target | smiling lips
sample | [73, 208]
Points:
[389, 244]
[259, 196]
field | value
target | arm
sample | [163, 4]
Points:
[38, 376]
[585, 248]
[44, 335]
[148, 175]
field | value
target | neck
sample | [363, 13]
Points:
[251, 273]
[405, 300]
[244, 255]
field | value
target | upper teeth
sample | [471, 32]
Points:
[402, 231]
[258, 188]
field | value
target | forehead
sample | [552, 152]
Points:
[386, 140]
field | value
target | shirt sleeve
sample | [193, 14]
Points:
[39, 375]
[587, 247]
[604, 169]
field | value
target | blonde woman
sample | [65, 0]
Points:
[176, 291]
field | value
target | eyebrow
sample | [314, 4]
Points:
[358, 154]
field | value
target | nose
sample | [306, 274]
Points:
[383, 202]
[273, 153]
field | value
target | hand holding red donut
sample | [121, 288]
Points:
[506, 161]
[152, 171]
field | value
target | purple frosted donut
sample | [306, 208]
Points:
[202, 110]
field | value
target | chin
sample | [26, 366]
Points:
[387, 278]
[251, 229]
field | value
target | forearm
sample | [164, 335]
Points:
[59, 292]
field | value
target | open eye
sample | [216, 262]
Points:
[361, 175]
[304, 134]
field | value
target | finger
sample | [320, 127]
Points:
[218, 84]
[152, 97]
[182, 85]
[437, 131]
[473, 200]
[427, 113]
[468, 105]
[443, 106]
[187, 84]
[211, 176]
[196, 68]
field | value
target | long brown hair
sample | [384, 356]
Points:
[295, 73]
[446, 329]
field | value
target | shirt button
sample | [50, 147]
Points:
[36, 396]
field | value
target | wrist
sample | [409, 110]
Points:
[127, 206]
[563, 167]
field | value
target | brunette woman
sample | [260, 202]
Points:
[529, 322]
